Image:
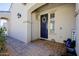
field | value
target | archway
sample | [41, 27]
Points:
[4, 23]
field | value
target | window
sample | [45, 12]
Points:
[52, 22]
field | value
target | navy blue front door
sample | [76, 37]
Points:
[44, 26]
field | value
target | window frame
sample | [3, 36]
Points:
[52, 22]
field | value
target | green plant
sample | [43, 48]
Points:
[2, 38]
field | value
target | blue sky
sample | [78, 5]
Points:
[5, 6]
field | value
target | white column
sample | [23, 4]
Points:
[77, 29]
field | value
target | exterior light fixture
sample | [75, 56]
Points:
[19, 15]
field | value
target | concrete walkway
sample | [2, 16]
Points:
[19, 48]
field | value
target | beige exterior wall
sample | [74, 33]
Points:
[17, 27]
[35, 27]
[20, 28]
[77, 29]
[64, 17]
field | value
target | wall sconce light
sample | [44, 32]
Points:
[19, 15]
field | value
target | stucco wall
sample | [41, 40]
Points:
[21, 28]
[64, 17]
[35, 27]
[18, 26]
[77, 29]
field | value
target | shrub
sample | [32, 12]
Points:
[2, 38]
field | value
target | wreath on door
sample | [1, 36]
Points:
[44, 19]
